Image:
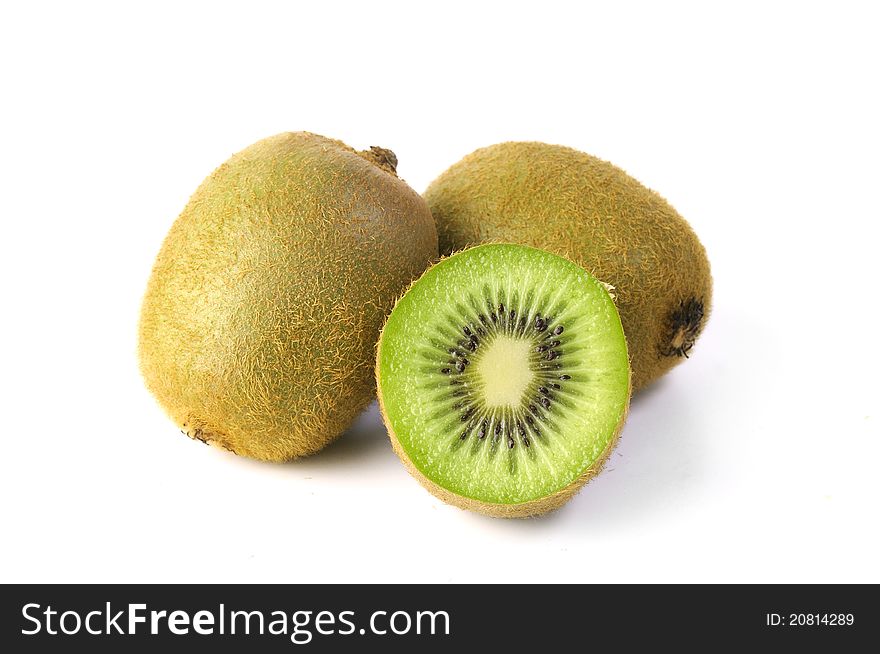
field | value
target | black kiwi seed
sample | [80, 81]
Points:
[467, 414]
[445, 371]
[543, 390]
[552, 354]
[482, 433]
[542, 348]
[459, 366]
[540, 325]
[564, 377]
[501, 309]
[559, 330]
[556, 386]
[555, 343]
[510, 442]
[497, 428]
[545, 403]
[466, 330]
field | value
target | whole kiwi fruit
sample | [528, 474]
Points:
[583, 208]
[259, 322]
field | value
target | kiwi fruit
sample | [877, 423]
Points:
[259, 323]
[503, 379]
[575, 205]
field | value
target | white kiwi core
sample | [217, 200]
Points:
[505, 371]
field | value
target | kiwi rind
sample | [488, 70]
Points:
[587, 210]
[260, 318]
[535, 507]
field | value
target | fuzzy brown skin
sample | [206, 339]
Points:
[523, 510]
[259, 321]
[573, 204]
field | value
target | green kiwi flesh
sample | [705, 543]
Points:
[503, 379]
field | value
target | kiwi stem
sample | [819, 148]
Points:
[382, 157]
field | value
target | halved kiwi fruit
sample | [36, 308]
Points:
[504, 379]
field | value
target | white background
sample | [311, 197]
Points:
[757, 460]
